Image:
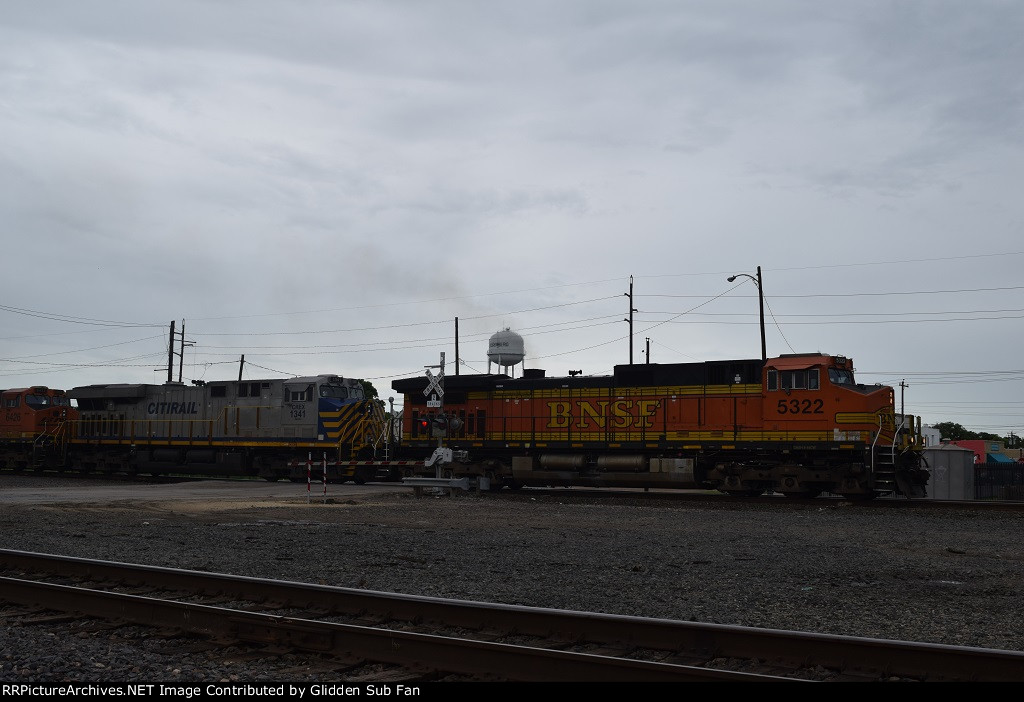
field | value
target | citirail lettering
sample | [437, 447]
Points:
[615, 414]
[172, 408]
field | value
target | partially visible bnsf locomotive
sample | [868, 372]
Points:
[277, 428]
[798, 424]
[35, 424]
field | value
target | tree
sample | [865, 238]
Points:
[369, 392]
[957, 432]
[954, 431]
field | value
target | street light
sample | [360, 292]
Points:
[760, 299]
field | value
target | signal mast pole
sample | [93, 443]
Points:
[435, 400]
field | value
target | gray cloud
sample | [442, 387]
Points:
[331, 184]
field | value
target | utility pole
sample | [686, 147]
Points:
[630, 320]
[170, 355]
[181, 354]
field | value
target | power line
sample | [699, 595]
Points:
[74, 320]
[868, 294]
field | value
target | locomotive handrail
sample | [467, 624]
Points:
[896, 434]
[874, 443]
[369, 429]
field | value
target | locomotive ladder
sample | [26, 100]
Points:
[884, 464]
[884, 471]
[47, 443]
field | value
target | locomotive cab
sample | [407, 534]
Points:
[815, 399]
[805, 392]
[31, 411]
[34, 424]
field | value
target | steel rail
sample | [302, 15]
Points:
[852, 655]
[451, 655]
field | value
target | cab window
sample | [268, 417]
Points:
[334, 391]
[37, 401]
[840, 376]
[300, 394]
[804, 379]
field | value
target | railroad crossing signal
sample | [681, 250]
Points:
[435, 384]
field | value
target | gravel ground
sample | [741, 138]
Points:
[950, 576]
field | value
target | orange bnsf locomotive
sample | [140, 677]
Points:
[798, 424]
[34, 425]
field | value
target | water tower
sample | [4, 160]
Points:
[506, 349]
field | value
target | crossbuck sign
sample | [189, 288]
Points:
[435, 388]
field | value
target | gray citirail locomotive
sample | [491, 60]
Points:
[267, 428]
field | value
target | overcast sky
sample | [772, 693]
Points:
[325, 186]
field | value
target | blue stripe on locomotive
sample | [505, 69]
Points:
[334, 416]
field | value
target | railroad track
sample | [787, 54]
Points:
[422, 638]
[603, 494]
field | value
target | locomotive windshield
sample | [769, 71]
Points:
[341, 392]
[40, 401]
[840, 376]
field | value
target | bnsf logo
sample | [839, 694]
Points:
[616, 414]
